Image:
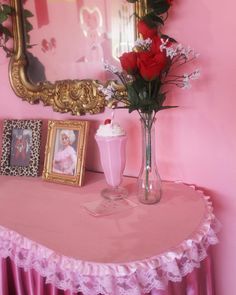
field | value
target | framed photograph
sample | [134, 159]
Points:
[21, 147]
[65, 152]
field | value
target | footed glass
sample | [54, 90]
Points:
[113, 158]
[149, 181]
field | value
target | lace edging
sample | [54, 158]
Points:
[94, 278]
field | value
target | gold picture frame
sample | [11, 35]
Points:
[65, 152]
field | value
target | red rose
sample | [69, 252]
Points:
[128, 62]
[145, 30]
[151, 64]
[156, 43]
[155, 49]
[161, 59]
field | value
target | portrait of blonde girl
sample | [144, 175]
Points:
[65, 157]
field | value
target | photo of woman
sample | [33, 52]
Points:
[65, 157]
[20, 147]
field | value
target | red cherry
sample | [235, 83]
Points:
[107, 121]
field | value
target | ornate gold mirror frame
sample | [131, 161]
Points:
[77, 97]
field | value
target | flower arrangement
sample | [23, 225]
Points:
[147, 73]
[151, 66]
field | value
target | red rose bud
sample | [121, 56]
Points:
[145, 30]
[107, 121]
[155, 49]
[151, 64]
[128, 61]
[156, 43]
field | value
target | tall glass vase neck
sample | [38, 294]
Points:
[149, 182]
[148, 119]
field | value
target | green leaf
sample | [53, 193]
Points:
[7, 9]
[132, 95]
[160, 99]
[27, 13]
[163, 36]
[132, 108]
[152, 19]
[139, 84]
[150, 3]
[147, 107]
[168, 107]
[28, 26]
[3, 17]
[155, 86]
[143, 94]
[7, 34]
[160, 7]
[5, 12]
[30, 45]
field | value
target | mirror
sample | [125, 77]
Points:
[42, 74]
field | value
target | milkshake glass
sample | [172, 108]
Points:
[111, 140]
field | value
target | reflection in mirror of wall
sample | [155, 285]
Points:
[72, 40]
[76, 47]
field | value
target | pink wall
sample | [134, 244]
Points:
[196, 143]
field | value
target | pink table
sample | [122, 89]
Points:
[49, 244]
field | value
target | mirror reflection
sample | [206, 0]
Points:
[73, 38]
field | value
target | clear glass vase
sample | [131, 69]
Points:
[149, 181]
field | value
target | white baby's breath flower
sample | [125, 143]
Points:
[186, 82]
[171, 52]
[163, 44]
[111, 68]
[188, 77]
[179, 47]
[195, 75]
[144, 44]
[188, 53]
[174, 50]
[107, 91]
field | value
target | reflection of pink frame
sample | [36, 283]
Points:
[97, 28]
[41, 9]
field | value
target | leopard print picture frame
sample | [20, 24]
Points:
[21, 147]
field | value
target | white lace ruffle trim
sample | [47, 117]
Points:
[131, 278]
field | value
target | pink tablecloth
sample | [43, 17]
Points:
[46, 231]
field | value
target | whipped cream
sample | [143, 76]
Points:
[112, 129]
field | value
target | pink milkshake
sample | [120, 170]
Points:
[111, 140]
